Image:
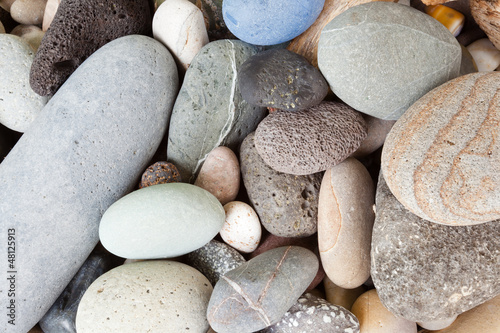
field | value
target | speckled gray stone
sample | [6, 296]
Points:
[287, 205]
[425, 271]
[209, 110]
[86, 149]
[258, 293]
[215, 259]
[381, 57]
[314, 314]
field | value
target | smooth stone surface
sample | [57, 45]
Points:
[19, 104]
[314, 314]
[72, 38]
[209, 110]
[242, 228]
[6, 4]
[269, 22]
[485, 54]
[97, 145]
[160, 173]
[215, 259]
[32, 34]
[385, 34]
[341, 296]
[49, 13]
[281, 79]
[415, 261]
[258, 293]
[287, 205]
[441, 159]
[179, 25]
[2, 28]
[62, 315]
[161, 221]
[28, 11]
[309, 141]
[468, 64]
[345, 222]
[171, 295]
[220, 174]
[437, 324]
[375, 318]
[376, 134]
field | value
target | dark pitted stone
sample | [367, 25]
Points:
[209, 110]
[287, 205]
[281, 79]
[314, 314]
[215, 259]
[312, 140]
[160, 173]
[79, 28]
[61, 316]
[425, 271]
[259, 292]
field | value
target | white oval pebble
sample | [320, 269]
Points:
[242, 229]
[485, 54]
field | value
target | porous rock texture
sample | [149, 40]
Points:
[78, 29]
[312, 140]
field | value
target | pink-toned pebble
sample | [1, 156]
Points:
[50, 12]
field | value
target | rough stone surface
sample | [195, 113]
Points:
[160, 173]
[209, 110]
[287, 205]
[258, 293]
[314, 314]
[19, 104]
[426, 271]
[215, 259]
[72, 38]
[86, 149]
[172, 296]
[442, 160]
[384, 34]
[309, 141]
[161, 221]
[281, 79]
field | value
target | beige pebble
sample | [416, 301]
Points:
[242, 229]
[28, 11]
[2, 28]
[437, 324]
[49, 13]
[6, 4]
[485, 54]
[341, 296]
[375, 318]
[30, 33]
[220, 174]
[345, 221]
[377, 131]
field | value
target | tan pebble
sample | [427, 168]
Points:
[377, 131]
[242, 229]
[485, 54]
[345, 221]
[375, 318]
[484, 318]
[28, 11]
[437, 324]
[30, 33]
[6, 4]
[341, 296]
[220, 174]
[2, 28]
[487, 14]
[49, 13]
[316, 292]
[23, 29]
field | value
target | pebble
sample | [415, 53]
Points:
[179, 25]
[171, 295]
[441, 160]
[281, 79]
[160, 173]
[2, 28]
[28, 11]
[242, 228]
[425, 271]
[452, 19]
[72, 38]
[6, 4]
[437, 324]
[309, 141]
[161, 221]
[375, 318]
[32, 34]
[485, 54]
[341, 296]
[468, 64]
[269, 22]
[345, 222]
[19, 104]
[49, 13]
[212, 15]
[397, 81]
[258, 293]
[220, 174]
[314, 314]
[486, 14]
[287, 205]
[209, 110]
[86, 149]
[215, 259]
[375, 137]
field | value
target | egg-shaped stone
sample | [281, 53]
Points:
[242, 229]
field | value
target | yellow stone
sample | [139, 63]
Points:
[453, 20]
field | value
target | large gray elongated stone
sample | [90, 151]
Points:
[86, 149]
[258, 293]
[424, 271]
[209, 110]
